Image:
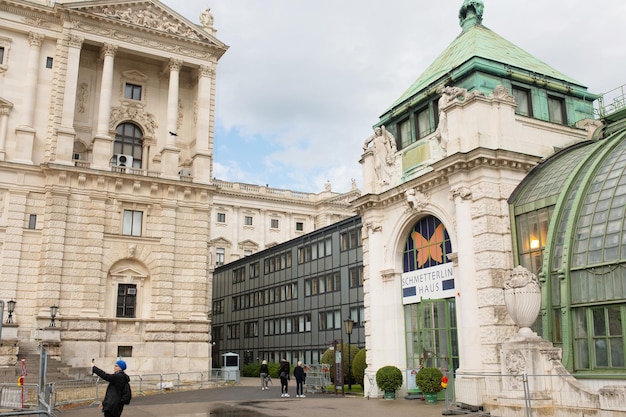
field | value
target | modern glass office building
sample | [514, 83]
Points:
[291, 300]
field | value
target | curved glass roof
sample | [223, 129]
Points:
[586, 184]
[545, 182]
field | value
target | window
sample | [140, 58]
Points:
[221, 217]
[329, 320]
[217, 333]
[219, 256]
[247, 252]
[124, 351]
[254, 269]
[599, 341]
[49, 62]
[239, 275]
[556, 110]
[330, 282]
[422, 123]
[247, 220]
[132, 91]
[251, 329]
[524, 103]
[218, 307]
[126, 300]
[350, 239]
[129, 141]
[299, 226]
[132, 223]
[357, 314]
[233, 331]
[1, 55]
[532, 233]
[356, 277]
[404, 133]
[274, 223]
[32, 221]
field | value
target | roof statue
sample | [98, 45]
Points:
[471, 13]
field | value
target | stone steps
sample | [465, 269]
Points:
[55, 369]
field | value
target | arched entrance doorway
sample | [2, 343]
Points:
[428, 294]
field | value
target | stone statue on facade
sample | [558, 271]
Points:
[384, 149]
[416, 200]
[448, 94]
[206, 18]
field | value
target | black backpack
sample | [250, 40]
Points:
[127, 394]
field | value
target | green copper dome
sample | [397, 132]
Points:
[479, 47]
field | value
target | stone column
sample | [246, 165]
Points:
[65, 133]
[25, 132]
[4, 123]
[470, 386]
[102, 145]
[203, 157]
[170, 153]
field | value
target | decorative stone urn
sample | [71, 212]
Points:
[522, 296]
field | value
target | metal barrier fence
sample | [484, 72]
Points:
[317, 377]
[93, 389]
[14, 396]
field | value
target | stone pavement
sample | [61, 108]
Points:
[248, 400]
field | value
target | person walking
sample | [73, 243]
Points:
[113, 404]
[300, 375]
[283, 372]
[264, 373]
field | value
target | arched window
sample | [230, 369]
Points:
[129, 142]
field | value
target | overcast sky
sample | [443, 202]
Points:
[304, 80]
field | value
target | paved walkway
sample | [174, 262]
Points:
[248, 400]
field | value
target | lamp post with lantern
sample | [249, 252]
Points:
[349, 324]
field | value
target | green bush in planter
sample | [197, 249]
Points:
[389, 378]
[429, 380]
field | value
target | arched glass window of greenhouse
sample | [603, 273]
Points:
[569, 229]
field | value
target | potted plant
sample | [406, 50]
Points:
[429, 382]
[389, 379]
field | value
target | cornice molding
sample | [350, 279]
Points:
[443, 169]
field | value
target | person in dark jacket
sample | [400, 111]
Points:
[283, 372]
[265, 373]
[300, 375]
[112, 406]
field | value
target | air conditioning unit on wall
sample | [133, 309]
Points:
[122, 160]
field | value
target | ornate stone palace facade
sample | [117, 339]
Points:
[108, 207]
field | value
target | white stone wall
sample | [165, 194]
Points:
[489, 151]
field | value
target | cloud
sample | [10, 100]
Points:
[304, 81]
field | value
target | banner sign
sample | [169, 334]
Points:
[428, 283]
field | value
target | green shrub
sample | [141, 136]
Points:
[429, 380]
[358, 367]
[251, 369]
[389, 378]
[254, 369]
[329, 358]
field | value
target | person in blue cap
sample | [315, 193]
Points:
[113, 405]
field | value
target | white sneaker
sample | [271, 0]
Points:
[297, 396]
[303, 396]
[282, 395]
[286, 395]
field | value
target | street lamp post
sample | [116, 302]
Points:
[349, 323]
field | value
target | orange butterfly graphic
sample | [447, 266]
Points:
[430, 249]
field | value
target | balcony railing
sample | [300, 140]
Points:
[612, 101]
